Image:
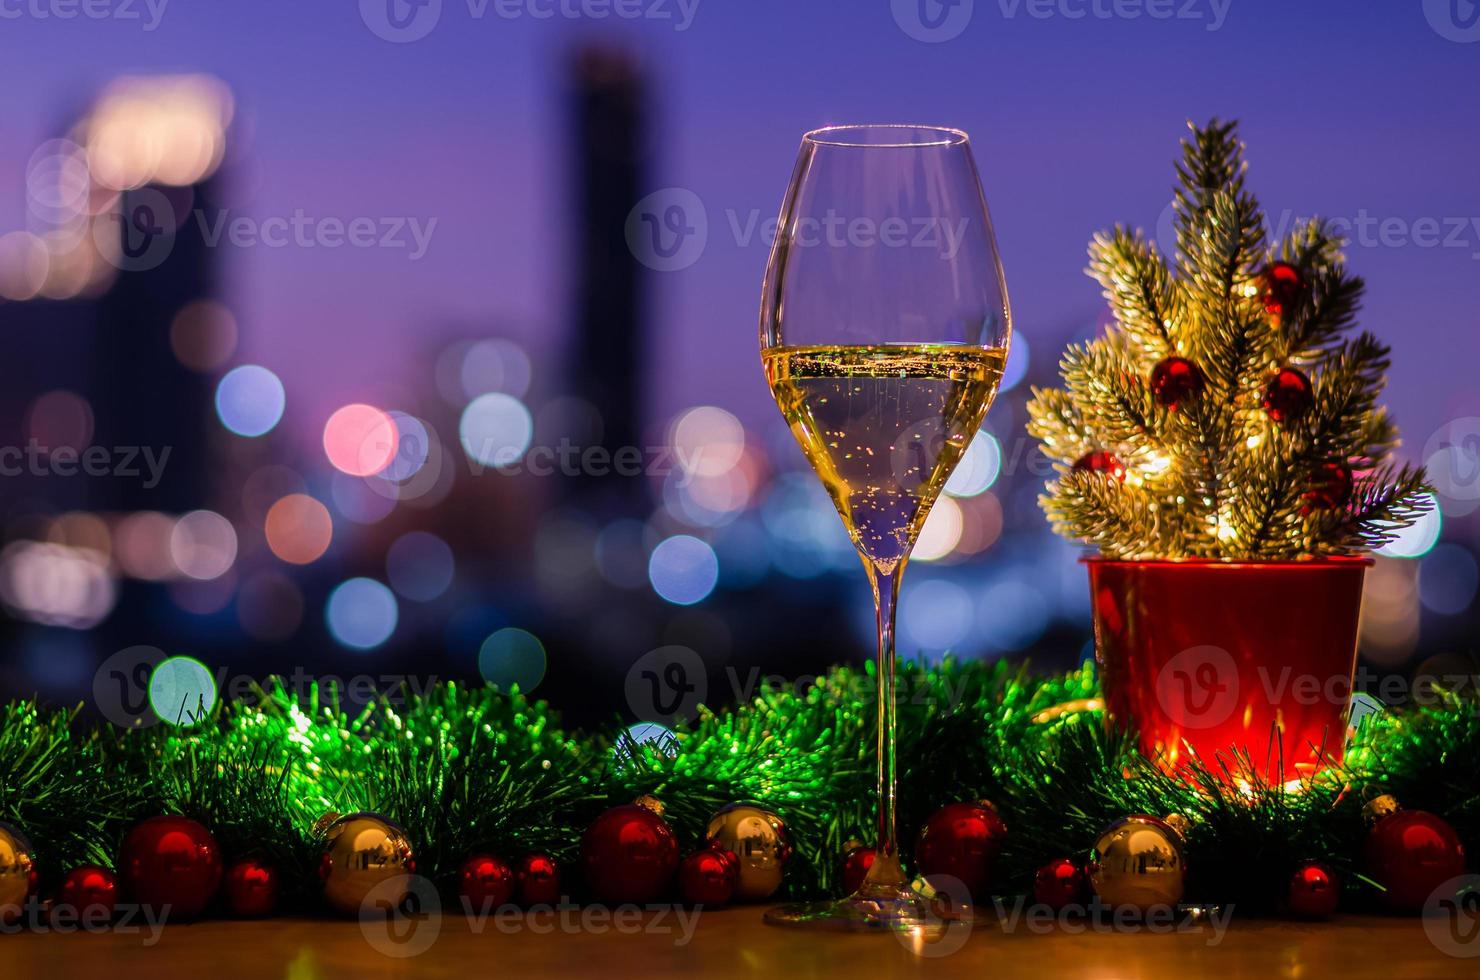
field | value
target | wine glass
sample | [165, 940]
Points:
[884, 332]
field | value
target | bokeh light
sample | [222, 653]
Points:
[413, 445]
[419, 566]
[141, 543]
[360, 440]
[496, 365]
[495, 429]
[56, 585]
[60, 419]
[979, 467]
[298, 529]
[941, 533]
[1418, 539]
[182, 691]
[203, 544]
[936, 615]
[203, 335]
[250, 400]
[707, 440]
[361, 613]
[683, 570]
[511, 657]
[635, 738]
[1018, 358]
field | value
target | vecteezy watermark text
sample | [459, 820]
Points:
[668, 230]
[123, 462]
[147, 12]
[123, 919]
[935, 21]
[404, 21]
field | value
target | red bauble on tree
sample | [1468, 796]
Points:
[486, 882]
[1410, 853]
[857, 859]
[87, 888]
[1059, 884]
[709, 876]
[171, 861]
[1101, 462]
[1313, 892]
[1281, 286]
[962, 840]
[1176, 381]
[537, 880]
[1330, 487]
[629, 853]
[250, 888]
[1288, 396]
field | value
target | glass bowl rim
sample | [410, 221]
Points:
[835, 136]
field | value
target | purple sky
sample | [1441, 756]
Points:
[1350, 110]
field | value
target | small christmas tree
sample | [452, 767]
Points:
[1225, 415]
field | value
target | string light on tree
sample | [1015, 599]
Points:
[1260, 425]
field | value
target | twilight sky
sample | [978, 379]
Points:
[1361, 111]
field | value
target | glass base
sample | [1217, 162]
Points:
[869, 910]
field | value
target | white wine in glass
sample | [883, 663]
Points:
[884, 333]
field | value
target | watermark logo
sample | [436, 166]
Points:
[1453, 458]
[140, 234]
[121, 686]
[400, 21]
[1198, 688]
[668, 229]
[1454, 20]
[932, 21]
[1451, 916]
[946, 922]
[667, 684]
[401, 917]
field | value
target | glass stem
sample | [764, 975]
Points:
[886, 871]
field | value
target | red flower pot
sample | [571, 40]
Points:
[1213, 657]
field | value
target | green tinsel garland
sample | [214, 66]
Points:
[470, 768]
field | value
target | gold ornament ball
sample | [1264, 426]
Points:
[758, 838]
[361, 852]
[17, 872]
[1138, 863]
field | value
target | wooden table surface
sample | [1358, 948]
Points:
[734, 942]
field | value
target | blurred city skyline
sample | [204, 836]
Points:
[390, 217]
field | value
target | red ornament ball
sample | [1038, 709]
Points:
[1411, 853]
[1288, 396]
[1176, 381]
[962, 840]
[709, 876]
[1101, 462]
[1059, 884]
[485, 882]
[629, 854]
[250, 888]
[1280, 285]
[537, 880]
[856, 863]
[87, 888]
[1313, 892]
[1330, 487]
[171, 861]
